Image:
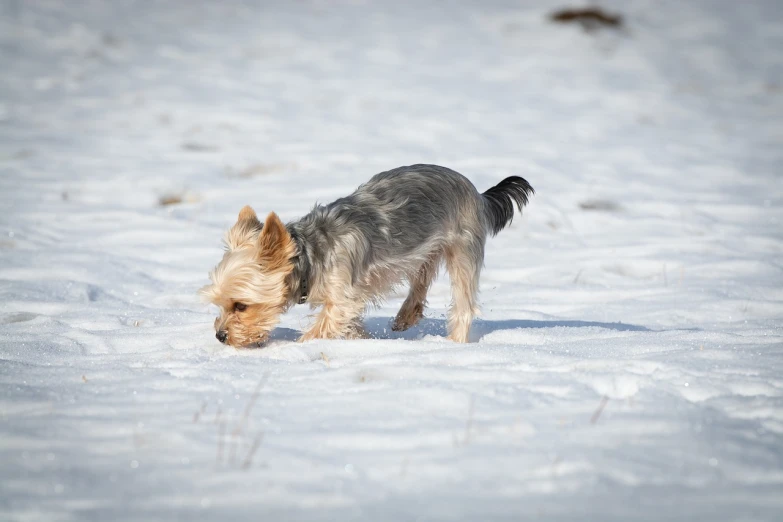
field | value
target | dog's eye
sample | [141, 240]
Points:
[240, 307]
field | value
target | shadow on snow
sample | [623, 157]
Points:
[380, 328]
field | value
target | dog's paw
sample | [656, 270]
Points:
[458, 337]
[408, 318]
[356, 331]
[400, 326]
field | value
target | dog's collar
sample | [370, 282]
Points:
[302, 266]
[303, 289]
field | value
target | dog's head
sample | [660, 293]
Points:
[249, 284]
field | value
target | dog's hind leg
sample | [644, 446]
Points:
[463, 262]
[412, 310]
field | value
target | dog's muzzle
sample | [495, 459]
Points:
[222, 335]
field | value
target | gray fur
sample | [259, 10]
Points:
[384, 233]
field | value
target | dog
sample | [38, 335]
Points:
[398, 227]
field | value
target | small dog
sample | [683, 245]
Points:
[398, 227]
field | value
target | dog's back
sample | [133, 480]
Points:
[392, 224]
[422, 200]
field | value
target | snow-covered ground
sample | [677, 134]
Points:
[629, 361]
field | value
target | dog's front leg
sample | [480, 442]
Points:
[324, 327]
[336, 321]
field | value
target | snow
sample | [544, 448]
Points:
[628, 363]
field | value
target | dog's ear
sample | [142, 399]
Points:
[244, 232]
[248, 214]
[275, 245]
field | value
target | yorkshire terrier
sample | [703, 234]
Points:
[398, 227]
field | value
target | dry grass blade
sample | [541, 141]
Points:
[469, 422]
[251, 403]
[239, 428]
[221, 438]
[599, 410]
[252, 451]
[197, 415]
[232, 452]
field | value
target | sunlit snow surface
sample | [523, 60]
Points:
[629, 361]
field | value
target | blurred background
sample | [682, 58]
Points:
[169, 99]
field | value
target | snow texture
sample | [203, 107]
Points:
[629, 361]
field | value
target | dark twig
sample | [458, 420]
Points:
[589, 18]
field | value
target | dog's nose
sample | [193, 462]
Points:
[222, 335]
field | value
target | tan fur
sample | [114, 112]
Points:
[464, 293]
[343, 305]
[253, 272]
[245, 232]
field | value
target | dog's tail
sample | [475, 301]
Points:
[499, 201]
